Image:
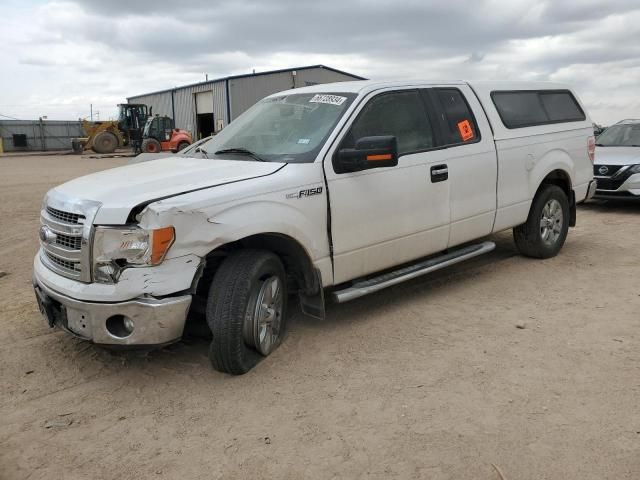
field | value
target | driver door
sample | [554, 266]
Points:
[387, 216]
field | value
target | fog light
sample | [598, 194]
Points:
[120, 326]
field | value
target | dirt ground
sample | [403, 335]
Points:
[431, 379]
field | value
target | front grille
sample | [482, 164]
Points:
[65, 217]
[65, 264]
[69, 241]
[614, 178]
[611, 170]
[62, 245]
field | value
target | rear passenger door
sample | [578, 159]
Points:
[470, 159]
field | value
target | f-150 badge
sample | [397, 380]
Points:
[309, 192]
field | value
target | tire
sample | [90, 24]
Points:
[151, 145]
[77, 146]
[236, 310]
[105, 142]
[546, 228]
[182, 145]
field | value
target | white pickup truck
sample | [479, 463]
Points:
[333, 191]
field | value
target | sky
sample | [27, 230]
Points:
[59, 57]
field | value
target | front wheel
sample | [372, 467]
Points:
[151, 145]
[546, 228]
[182, 146]
[105, 142]
[246, 310]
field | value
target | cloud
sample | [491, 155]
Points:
[101, 52]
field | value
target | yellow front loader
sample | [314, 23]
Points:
[101, 137]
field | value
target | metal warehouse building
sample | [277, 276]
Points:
[206, 107]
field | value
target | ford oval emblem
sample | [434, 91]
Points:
[603, 170]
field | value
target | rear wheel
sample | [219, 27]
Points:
[182, 145]
[151, 145]
[246, 310]
[105, 142]
[546, 228]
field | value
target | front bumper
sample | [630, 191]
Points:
[155, 321]
[615, 188]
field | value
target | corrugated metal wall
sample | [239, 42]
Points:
[244, 92]
[161, 102]
[40, 135]
[184, 103]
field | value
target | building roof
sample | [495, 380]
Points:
[245, 75]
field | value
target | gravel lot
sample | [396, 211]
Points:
[533, 366]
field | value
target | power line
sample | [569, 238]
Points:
[10, 118]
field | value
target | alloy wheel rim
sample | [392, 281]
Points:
[551, 222]
[267, 316]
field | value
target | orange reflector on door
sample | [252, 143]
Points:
[383, 156]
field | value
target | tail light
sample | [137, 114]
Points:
[591, 148]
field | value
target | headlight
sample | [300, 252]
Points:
[115, 249]
[635, 169]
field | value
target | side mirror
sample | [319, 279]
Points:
[369, 152]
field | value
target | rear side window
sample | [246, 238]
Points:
[561, 107]
[460, 124]
[400, 114]
[528, 108]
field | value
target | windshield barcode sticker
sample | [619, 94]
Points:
[330, 99]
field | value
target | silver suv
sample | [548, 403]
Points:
[617, 161]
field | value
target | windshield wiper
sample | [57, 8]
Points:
[599, 145]
[202, 151]
[241, 151]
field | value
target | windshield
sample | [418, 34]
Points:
[620, 136]
[289, 128]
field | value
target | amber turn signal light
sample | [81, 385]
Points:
[161, 241]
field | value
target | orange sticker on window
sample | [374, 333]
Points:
[466, 132]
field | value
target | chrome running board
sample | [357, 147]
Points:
[366, 286]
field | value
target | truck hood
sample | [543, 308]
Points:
[617, 155]
[120, 189]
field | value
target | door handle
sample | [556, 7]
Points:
[439, 173]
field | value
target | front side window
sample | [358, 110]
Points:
[400, 114]
[620, 136]
[288, 128]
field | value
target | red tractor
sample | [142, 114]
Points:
[159, 135]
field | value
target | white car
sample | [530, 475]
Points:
[330, 191]
[617, 162]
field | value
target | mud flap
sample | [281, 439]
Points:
[572, 209]
[313, 305]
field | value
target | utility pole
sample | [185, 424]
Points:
[91, 109]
